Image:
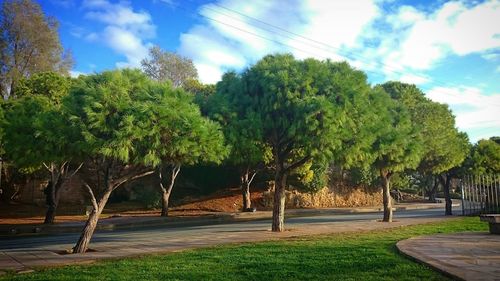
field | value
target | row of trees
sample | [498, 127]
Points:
[292, 117]
[110, 128]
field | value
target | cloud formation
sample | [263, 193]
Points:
[473, 109]
[125, 31]
[238, 33]
[454, 28]
[400, 43]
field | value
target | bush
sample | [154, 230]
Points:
[151, 199]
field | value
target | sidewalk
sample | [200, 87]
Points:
[129, 222]
[463, 256]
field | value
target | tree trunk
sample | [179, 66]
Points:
[165, 196]
[84, 240]
[167, 191]
[246, 180]
[52, 200]
[247, 201]
[446, 181]
[386, 195]
[279, 201]
[433, 191]
[51, 203]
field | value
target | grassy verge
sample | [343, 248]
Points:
[351, 256]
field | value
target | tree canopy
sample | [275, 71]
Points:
[39, 134]
[29, 43]
[485, 157]
[163, 65]
[300, 113]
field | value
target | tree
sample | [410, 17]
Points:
[110, 111]
[241, 130]
[485, 157]
[397, 145]
[163, 65]
[202, 93]
[457, 149]
[179, 136]
[299, 114]
[29, 43]
[39, 134]
[443, 146]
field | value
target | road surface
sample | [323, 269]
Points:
[129, 237]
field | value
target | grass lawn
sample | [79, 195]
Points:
[351, 256]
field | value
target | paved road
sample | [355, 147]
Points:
[127, 237]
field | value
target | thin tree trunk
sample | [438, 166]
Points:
[167, 191]
[51, 203]
[84, 240]
[279, 201]
[59, 176]
[109, 184]
[433, 191]
[445, 181]
[246, 181]
[386, 196]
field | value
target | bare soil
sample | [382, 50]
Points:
[224, 201]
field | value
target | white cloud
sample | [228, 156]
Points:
[473, 109]
[416, 79]
[75, 73]
[399, 44]
[63, 3]
[229, 40]
[418, 40]
[491, 56]
[125, 31]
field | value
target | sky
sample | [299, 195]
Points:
[449, 49]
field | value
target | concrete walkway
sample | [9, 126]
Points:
[463, 256]
[25, 253]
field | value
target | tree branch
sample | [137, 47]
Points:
[76, 170]
[92, 196]
[125, 179]
[297, 164]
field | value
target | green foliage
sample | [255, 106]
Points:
[202, 93]
[109, 110]
[398, 143]
[242, 129]
[36, 125]
[179, 134]
[349, 91]
[49, 84]
[149, 198]
[485, 157]
[313, 176]
[29, 43]
[298, 112]
[444, 147]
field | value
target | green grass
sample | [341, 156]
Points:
[351, 256]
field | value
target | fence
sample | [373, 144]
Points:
[480, 194]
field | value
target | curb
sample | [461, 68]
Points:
[169, 222]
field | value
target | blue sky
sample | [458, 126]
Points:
[450, 49]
